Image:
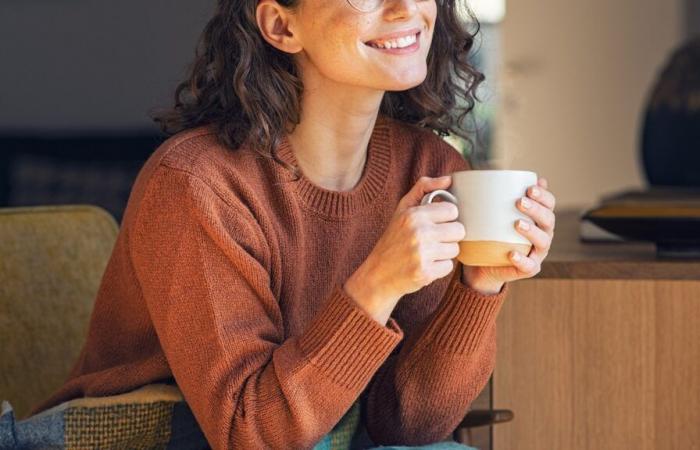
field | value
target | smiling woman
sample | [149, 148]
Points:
[306, 297]
[253, 90]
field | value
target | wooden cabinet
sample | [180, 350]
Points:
[601, 350]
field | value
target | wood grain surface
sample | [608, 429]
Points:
[599, 364]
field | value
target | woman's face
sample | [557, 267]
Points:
[342, 44]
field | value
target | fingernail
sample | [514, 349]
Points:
[535, 192]
[516, 256]
[525, 202]
[523, 225]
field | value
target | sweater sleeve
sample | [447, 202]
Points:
[200, 262]
[422, 392]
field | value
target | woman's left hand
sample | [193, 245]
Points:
[539, 231]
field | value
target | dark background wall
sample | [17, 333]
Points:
[93, 65]
[77, 81]
[85, 74]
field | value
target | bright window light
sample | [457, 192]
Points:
[488, 11]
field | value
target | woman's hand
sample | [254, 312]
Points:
[539, 231]
[419, 245]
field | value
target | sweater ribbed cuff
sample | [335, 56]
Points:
[346, 343]
[463, 318]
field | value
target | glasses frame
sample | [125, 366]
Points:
[353, 6]
[379, 5]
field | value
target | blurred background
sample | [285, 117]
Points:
[575, 81]
[567, 87]
[78, 81]
[598, 96]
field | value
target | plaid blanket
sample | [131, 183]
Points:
[154, 416]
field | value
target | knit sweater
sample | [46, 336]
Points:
[227, 276]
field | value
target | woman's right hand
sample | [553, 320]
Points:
[417, 248]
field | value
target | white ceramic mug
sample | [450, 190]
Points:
[486, 200]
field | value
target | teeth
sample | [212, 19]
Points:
[401, 42]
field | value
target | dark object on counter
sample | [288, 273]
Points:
[671, 131]
[669, 217]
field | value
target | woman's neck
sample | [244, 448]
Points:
[332, 156]
[330, 142]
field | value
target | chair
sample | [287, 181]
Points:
[479, 418]
[51, 263]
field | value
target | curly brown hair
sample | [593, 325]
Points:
[251, 91]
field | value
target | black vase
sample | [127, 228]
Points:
[671, 131]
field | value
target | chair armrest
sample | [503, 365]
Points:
[485, 417]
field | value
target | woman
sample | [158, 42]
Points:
[274, 259]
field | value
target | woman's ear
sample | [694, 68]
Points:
[276, 24]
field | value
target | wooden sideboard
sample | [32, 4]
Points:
[601, 350]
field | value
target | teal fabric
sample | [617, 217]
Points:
[341, 436]
[351, 434]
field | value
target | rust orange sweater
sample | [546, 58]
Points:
[227, 276]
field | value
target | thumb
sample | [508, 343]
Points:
[423, 186]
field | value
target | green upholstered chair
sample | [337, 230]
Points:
[51, 262]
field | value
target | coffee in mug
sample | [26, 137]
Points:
[486, 200]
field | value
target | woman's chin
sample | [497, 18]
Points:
[403, 84]
[392, 80]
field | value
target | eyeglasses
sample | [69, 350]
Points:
[366, 6]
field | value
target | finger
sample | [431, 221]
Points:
[543, 182]
[542, 216]
[449, 232]
[542, 195]
[525, 264]
[539, 238]
[442, 268]
[423, 186]
[439, 212]
[537, 254]
[442, 251]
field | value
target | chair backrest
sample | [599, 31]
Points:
[51, 263]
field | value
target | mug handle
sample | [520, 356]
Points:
[428, 198]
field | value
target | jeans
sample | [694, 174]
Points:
[447, 445]
[362, 441]
[351, 434]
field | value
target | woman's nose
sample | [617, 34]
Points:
[401, 7]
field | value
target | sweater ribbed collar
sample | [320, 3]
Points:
[338, 204]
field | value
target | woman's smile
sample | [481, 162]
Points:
[401, 45]
[362, 51]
